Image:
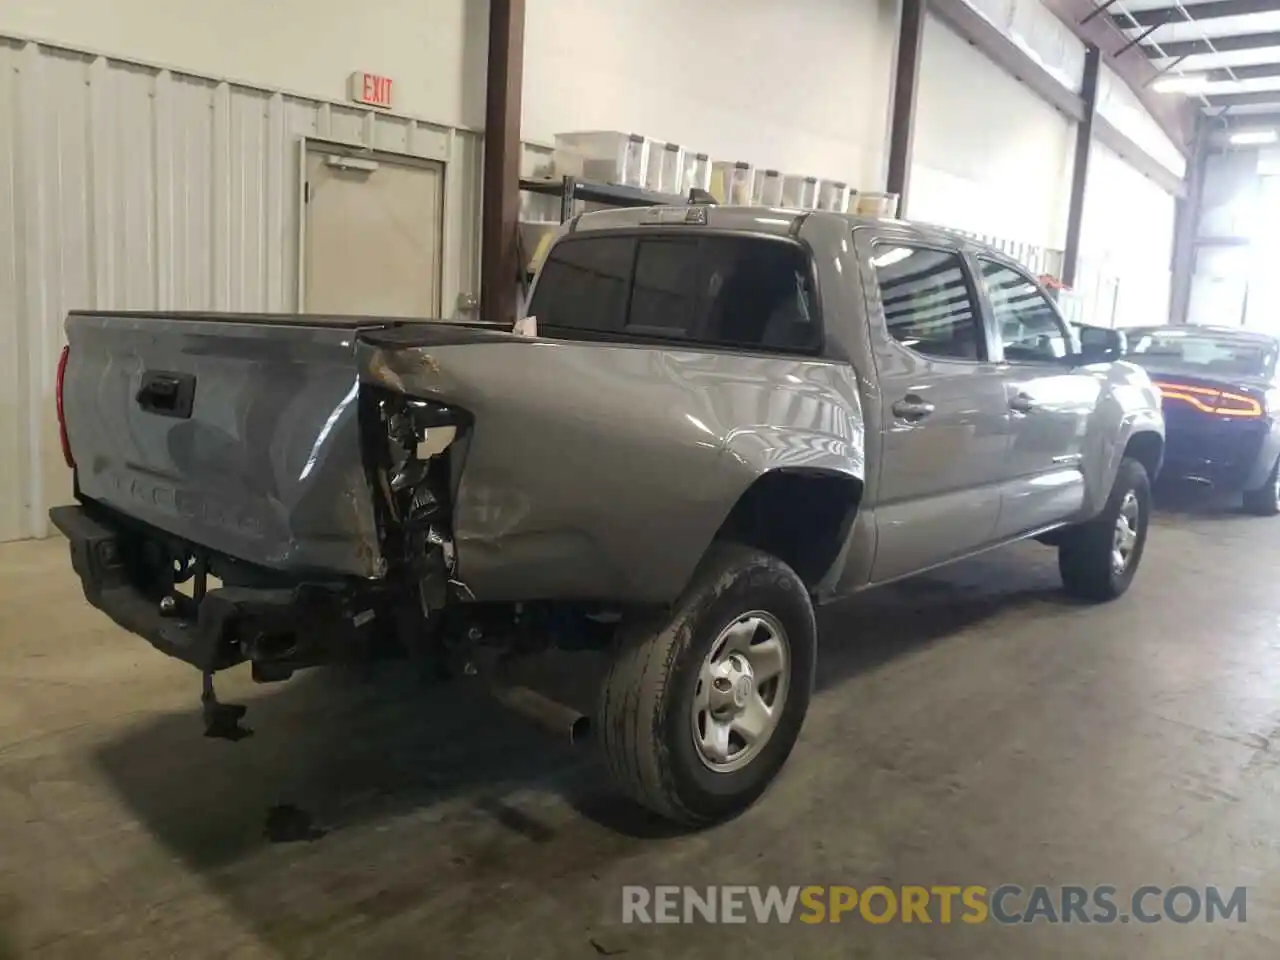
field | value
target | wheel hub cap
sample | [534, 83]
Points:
[741, 690]
[1126, 533]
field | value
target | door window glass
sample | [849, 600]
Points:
[928, 304]
[1029, 327]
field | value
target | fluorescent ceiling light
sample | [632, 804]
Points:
[1190, 83]
[1250, 137]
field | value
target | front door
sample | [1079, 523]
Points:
[1049, 402]
[944, 416]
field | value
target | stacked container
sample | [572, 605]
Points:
[882, 205]
[833, 195]
[696, 173]
[665, 167]
[800, 192]
[767, 189]
[605, 156]
[732, 182]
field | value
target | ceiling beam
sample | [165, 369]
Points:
[1250, 71]
[1194, 11]
[1175, 115]
[1247, 121]
[1250, 99]
[1187, 48]
[978, 30]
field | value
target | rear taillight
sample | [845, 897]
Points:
[1222, 403]
[62, 418]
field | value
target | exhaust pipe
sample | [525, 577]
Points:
[556, 718]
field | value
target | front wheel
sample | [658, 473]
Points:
[700, 709]
[1098, 559]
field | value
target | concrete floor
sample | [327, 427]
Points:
[971, 727]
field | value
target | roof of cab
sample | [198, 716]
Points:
[769, 220]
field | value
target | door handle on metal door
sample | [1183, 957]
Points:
[912, 408]
[1022, 403]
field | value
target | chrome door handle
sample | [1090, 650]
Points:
[1022, 403]
[912, 408]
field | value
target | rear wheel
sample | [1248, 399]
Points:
[1265, 500]
[700, 710]
[1098, 559]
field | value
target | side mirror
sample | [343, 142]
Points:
[1101, 344]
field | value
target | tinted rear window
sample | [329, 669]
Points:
[584, 286]
[723, 290]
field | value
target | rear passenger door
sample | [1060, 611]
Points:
[944, 419]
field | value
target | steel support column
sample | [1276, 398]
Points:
[906, 78]
[1186, 231]
[1080, 170]
[499, 260]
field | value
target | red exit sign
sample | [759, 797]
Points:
[370, 89]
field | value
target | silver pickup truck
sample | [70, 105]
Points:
[724, 417]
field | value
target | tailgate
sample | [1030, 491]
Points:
[238, 433]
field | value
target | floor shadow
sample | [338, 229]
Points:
[1184, 498]
[339, 747]
[339, 750]
[872, 628]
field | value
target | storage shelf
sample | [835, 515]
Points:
[569, 189]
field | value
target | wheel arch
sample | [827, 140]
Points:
[801, 516]
[1147, 447]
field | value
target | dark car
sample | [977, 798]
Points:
[1221, 406]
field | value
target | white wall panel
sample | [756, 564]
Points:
[131, 187]
[804, 89]
[1121, 106]
[990, 156]
[434, 50]
[1126, 242]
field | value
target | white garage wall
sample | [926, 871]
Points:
[434, 50]
[990, 156]
[129, 187]
[801, 89]
[1126, 243]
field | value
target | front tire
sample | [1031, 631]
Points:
[1265, 501]
[700, 709]
[1098, 559]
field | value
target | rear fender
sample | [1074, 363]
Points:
[603, 471]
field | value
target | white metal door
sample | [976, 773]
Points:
[372, 236]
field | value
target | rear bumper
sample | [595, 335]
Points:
[1229, 456]
[287, 627]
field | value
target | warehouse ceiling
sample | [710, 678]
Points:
[1222, 54]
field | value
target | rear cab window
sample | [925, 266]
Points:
[746, 292]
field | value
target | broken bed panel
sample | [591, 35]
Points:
[602, 471]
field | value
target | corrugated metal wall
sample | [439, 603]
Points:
[124, 186]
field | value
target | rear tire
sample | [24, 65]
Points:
[1090, 555]
[1265, 501]
[701, 707]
